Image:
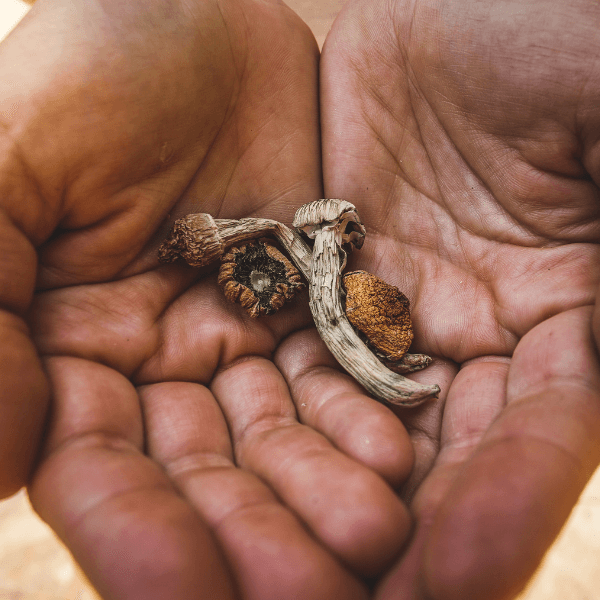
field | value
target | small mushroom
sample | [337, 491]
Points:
[380, 311]
[381, 314]
[199, 240]
[335, 227]
[259, 277]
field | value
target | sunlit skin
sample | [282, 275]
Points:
[174, 464]
[467, 133]
[183, 450]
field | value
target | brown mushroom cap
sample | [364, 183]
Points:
[259, 277]
[380, 312]
[195, 239]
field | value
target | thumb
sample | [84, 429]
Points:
[23, 386]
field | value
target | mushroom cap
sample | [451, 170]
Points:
[259, 277]
[319, 211]
[380, 311]
[195, 239]
[311, 217]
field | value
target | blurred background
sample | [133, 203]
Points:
[34, 565]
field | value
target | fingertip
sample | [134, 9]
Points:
[348, 507]
[332, 403]
[370, 433]
[364, 522]
[497, 522]
[386, 530]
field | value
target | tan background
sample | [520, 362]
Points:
[34, 565]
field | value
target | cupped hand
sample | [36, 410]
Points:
[173, 464]
[467, 134]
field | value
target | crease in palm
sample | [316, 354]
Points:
[179, 423]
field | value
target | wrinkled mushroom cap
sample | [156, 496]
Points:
[195, 239]
[259, 277]
[380, 311]
[331, 212]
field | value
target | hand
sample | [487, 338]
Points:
[467, 134]
[173, 464]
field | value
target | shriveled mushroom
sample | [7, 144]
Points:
[259, 277]
[381, 314]
[199, 240]
[335, 227]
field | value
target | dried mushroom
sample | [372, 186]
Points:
[335, 229]
[381, 313]
[259, 277]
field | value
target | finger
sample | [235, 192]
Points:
[23, 386]
[347, 506]
[270, 553]
[509, 503]
[117, 511]
[474, 400]
[444, 433]
[23, 403]
[331, 402]
[424, 423]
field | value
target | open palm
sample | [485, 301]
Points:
[174, 465]
[467, 136]
[192, 452]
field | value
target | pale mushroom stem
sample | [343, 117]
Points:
[338, 334]
[234, 232]
[199, 239]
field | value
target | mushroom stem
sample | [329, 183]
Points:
[199, 239]
[328, 261]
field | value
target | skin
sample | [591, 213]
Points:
[156, 434]
[182, 450]
[467, 134]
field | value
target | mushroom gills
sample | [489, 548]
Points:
[259, 277]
